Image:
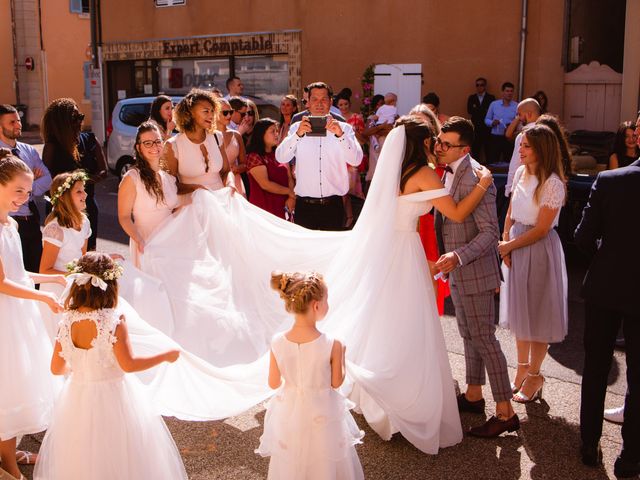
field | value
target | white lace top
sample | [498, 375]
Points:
[69, 240]
[524, 208]
[97, 363]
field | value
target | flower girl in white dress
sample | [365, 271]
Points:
[65, 234]
[26, 385]
[103, 426]
[308, 430]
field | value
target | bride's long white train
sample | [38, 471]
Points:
[206, 285]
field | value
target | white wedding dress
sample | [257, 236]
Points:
[219, 253]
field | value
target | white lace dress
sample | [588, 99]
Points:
[26, 384]
[308, 430]
[533, 300]
[70, 242]
[103, 425]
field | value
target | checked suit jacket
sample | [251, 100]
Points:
[475, 239]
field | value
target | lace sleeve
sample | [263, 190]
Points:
[53, 233]
[553, 193]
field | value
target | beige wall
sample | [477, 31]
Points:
[66, 37]
[7, 93]
[454, 41]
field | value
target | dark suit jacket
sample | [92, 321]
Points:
[478, 110]
[610, 233]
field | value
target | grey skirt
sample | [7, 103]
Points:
[533, 297]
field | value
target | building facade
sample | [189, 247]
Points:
[47, 54]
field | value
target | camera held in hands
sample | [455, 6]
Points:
[318, 126]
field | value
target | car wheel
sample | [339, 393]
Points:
[123, 166]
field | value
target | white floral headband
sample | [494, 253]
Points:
[82, 278]
[80, 176]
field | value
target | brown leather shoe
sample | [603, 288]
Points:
[494, 427]
[465, 405]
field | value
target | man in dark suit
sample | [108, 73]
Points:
[477, 106]
[610, 233]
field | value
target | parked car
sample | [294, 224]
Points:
[129, 113]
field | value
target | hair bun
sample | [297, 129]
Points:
[4, 153]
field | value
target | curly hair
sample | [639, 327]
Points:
[183, 111]
[61, 125]
[64, 210]
[87, 295]
[10, 166]
[149, 178]
[298, 290]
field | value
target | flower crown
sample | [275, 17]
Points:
[80, 176]
[110, 274]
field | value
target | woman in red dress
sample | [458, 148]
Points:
[270, 182]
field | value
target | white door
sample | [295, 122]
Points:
[403, 79]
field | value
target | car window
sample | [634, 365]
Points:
[134, 114]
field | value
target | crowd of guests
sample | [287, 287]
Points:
[260, 159]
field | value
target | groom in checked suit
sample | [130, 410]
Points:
[610, 233]
[472, 265]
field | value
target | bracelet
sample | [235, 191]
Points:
[479, 185]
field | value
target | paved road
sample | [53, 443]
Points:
[544, 448]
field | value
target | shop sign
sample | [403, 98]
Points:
[211, 46]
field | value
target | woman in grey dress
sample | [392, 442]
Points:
[533, 301]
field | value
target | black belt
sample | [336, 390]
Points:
[319, 201]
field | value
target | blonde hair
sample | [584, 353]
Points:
[298, 290]
[11, 166]
[63, 208]
[545, 145]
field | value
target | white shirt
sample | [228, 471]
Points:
[321, 162]
[480, 97]
[513, 165]
[524, 207]
[448, 176]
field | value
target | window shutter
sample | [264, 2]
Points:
[75, 6]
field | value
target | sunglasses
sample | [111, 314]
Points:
[251, 113]
[152, 143]
[242, 114]
[480, 85]
[227, 113]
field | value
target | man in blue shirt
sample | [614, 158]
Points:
[500, 114]
[27, 216]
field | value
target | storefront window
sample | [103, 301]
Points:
[265, 77]
[177, 77]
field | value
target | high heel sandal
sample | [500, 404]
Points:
[521, 397]
[516, 388]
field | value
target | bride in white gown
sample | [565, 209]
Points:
[381, 303]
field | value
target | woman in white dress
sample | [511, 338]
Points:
[65, 235]
[384, 309]
[103, 426]
[233, 145]
[147, 194]
[196, 157]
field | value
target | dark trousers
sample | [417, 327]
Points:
[31, 240]
[600, 331]
[320, 216]
[92, 213]
[499, 149]
[479, 147]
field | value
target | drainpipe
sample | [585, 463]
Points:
[14, 38]
[523, 41]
